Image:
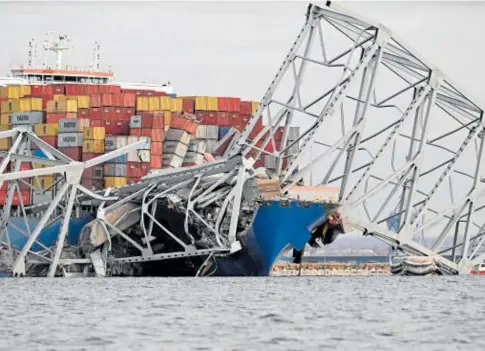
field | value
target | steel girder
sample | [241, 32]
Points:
[400, 140]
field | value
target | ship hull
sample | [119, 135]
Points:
[276, 226]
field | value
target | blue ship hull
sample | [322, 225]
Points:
[275, 226]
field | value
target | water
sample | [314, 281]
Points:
[287, 313]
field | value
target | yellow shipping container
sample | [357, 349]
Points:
[48, 129]
[93, 146]
[153, 103]
[177, 105]
[60, 97]
[5, 142]
[5, 119]
[112, 182]
[201, 103]
[11, 92]
[94, 133]
[71, 106]
[36, 104]
[142, 103]
[254, 107]
[39, 165]
[166, 103]
[11, 106]
[24, 90]
[25, 105]
[168, 118]
[212, 103]
[43, 182]
[83, 101]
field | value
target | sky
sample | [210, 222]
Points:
[228, 48]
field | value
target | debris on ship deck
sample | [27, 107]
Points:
[329, 268]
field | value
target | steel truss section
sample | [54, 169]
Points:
[400, 140]
[23, 142]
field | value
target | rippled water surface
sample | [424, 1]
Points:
[287, 313]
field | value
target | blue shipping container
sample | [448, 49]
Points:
[119, 160]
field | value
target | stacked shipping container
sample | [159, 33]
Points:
[84, 121]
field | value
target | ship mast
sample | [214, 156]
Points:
[57, 43]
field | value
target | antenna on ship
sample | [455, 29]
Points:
[97, 55]
[32, 52]
[57, 43]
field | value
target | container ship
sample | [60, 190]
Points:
[85, 114]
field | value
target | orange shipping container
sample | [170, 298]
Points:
[129, 99]
[157, 134]
[95, 100]
[158, 120]
[156, 148]
[156, 162]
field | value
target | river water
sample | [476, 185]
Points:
[274, 313]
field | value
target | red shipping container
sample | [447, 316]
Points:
[95, 113]
[3, 187]
[235, 119]
[51, 140]
[211, 118]
[3, 197]
[155, 162]
[278, 133]
[82, 89]
[132, 170]
[223, 104]
[179, 122]
[156, 148]
[144, 168]
[201, 116]
[107, 99]
[149, 93]
[147, 120]
[24, 166]
[245, 119]
[72, 89]
[91, 184]
[188, 105]
[23, 186]
[25, 195]
[74, 153]
[128, 99]
[55, 117]
[240, 127]
[159, 93]
[83, 113]
[109, 89]
[157, 134]
[117, 114]
[107, 113]
[158, 120]
[223, 119]
[91, 89]
[96, 123]
[146, 132]
[135, 131]
[58, 89]
[127, 112]
[234, 104]
[36, 90]
[117, 127]
[109, 127]
[246, 107]
[95, 100]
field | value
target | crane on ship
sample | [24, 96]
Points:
[400, 140]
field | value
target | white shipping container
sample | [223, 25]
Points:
[314, 193]
[144, 155]
[198, 146]
[173, 147]
[270, 162]
[211, 144]
[115, 170]
[70, 140]
[73, 125]
[132, 156]
[147, 144]
[172, 160]
[212, 132]
[201, 132]
[194, 157]
[19, 118]
[178, 135]
[115, 142]
[40, 196]
[293, 133]
[135, 122]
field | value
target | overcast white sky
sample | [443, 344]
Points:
[231, 48]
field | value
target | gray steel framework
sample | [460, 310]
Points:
[401, 142]
[388, 128]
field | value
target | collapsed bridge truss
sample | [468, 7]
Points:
[402, 143]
